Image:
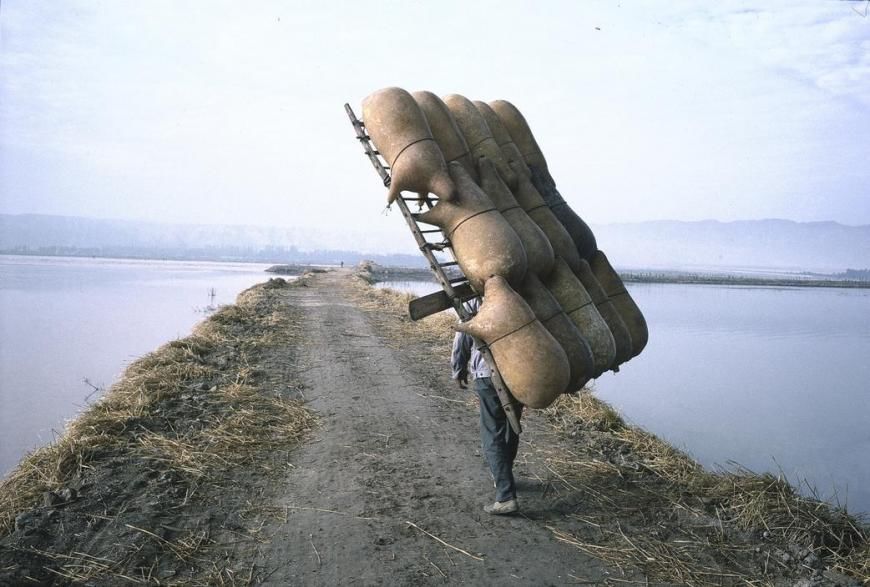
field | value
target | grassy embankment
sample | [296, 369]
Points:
[652, 507]
[122, 493]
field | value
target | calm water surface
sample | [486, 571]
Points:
[63, 320]
[773, 379]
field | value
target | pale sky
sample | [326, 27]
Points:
[232, 112]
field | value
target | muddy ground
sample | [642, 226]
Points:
[386, 488]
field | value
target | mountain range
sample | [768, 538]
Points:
[771, 243]
[762, 244]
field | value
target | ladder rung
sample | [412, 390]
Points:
[430, 230]
[449, 264]
[457, 279]
[434, 246]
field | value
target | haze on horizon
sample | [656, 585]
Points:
[228, 113]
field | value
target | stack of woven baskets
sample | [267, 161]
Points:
[554, 314]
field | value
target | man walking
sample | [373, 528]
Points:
[499, 441]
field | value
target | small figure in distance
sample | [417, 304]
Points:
[342, 264]
[498, 440]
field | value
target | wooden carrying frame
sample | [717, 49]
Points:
[455, 290]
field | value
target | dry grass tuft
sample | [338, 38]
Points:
[574, 413]
[651, 506]
[735, 508]
[46, 469]
[679, 560]
[240, 425]
[757, 502]
[391, 308]
[106, 428]
[84, 568]
[188, 407]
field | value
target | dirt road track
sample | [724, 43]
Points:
[386, 456]
[194, 469]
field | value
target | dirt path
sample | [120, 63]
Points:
[198, 468]
[387, 456]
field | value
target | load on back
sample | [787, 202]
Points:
[555, 313]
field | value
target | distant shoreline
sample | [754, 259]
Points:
[700, 279]
[381, 273]
[375, 272]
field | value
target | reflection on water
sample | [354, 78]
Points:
[63, 320]
[775, 379]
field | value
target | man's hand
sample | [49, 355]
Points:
[462, 379]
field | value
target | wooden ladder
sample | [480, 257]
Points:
[456, 289]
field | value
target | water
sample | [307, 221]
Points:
[773, 379]
[66, 319]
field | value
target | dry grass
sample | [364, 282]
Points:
[239, 425]
[84, 568]
[575, 413]
[677, 561]
[432, 336]
[106, 427]
[720, 512]
[650, 506]
[189, 408]
[391, 307]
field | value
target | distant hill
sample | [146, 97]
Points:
[827, 247]
[37, 230]
[76, 236]
[782, 244]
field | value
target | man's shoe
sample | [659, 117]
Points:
[501, 508]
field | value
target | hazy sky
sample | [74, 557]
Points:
[231, 112]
